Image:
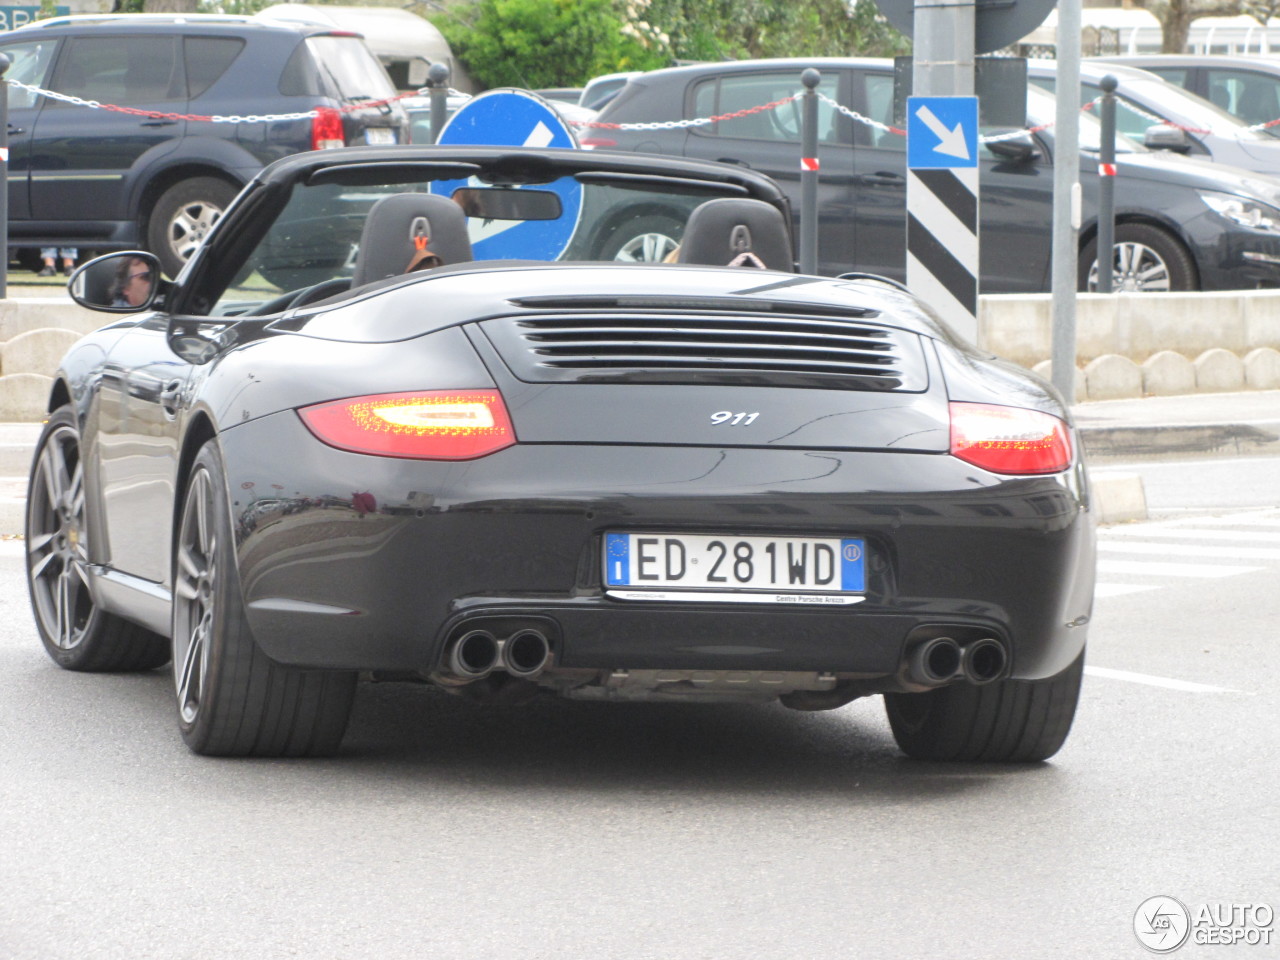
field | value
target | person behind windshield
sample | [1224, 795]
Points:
[132, 284]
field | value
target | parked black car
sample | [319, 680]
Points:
[1183, 224]
[105, 180]
[708, 481]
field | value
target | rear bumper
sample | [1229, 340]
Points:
[372, 563]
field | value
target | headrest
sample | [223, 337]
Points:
[737, 232]
[404, 228]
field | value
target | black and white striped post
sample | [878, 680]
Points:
[942, 207]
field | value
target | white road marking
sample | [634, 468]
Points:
[1157, 568]
[1184, 685]
[1166, 533]
[13, 548]
[1121, 589]
[1192, 552]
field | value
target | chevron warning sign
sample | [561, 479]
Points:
[942, 207]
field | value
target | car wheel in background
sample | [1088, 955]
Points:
[182, 216]
[232, 699]
[646, 239]
[77, 634]
[1147, 259]
[1005, 721]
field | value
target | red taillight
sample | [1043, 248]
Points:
[326, 129]
[590, 143]
[1009, 439]
[429, 425]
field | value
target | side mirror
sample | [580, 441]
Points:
[1019, 149]
[126, 282]
[1162, 136]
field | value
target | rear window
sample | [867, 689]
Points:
[207, 59]
[349, 67]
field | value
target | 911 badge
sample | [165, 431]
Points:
[733, 419]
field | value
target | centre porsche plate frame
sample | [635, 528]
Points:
[684, 568]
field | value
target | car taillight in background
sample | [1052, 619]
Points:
[326, 129]
[427, 425]
[590, 143]
[1009, 439]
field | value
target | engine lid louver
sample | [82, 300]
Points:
[709, 347]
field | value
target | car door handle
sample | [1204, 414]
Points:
[169, 397]
[158, 122]
[735, 161]
[881, 180]
[13, 130]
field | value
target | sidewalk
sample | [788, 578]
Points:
[1191, 425]
[1115, 432]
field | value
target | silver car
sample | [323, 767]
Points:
[1167, 117]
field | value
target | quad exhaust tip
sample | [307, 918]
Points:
[935, 661]
[525, 654]
[943, 660]
[474, 655]
[984, 660]
[478, 653]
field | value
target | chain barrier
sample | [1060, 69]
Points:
[682, 124]
[1146, 115]
[582, 124]
[203, 118]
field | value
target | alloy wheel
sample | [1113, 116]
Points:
[189, 225]
[57, 558]
[646, 248]
[195, 584]
[1136, 268]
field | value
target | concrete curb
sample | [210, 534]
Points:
[1181, 440]
[1118, 497]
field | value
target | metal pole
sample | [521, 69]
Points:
[942, 51]
[809, 173]
[4, 179]
[438, 80]
[1066, 200]
[1107, 186]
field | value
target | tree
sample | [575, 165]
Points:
[740, 29]
[547, 43]
[1175, 18]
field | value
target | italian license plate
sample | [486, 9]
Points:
[678, 566]
[379, 136]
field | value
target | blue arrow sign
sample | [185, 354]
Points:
[515, 118]
[942, 132]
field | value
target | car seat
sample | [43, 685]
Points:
[738, 233]
[407, 231]
[1258, 103]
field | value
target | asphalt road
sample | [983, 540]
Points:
[573, 830]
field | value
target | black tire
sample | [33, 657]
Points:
[232, 699]
[182, 216]
[1161, 262]
[77, 634]
[646, 239]
[1010, 721]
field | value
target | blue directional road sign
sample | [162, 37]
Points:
[942, 132]
[515, 118]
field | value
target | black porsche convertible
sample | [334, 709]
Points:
[430, 414]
